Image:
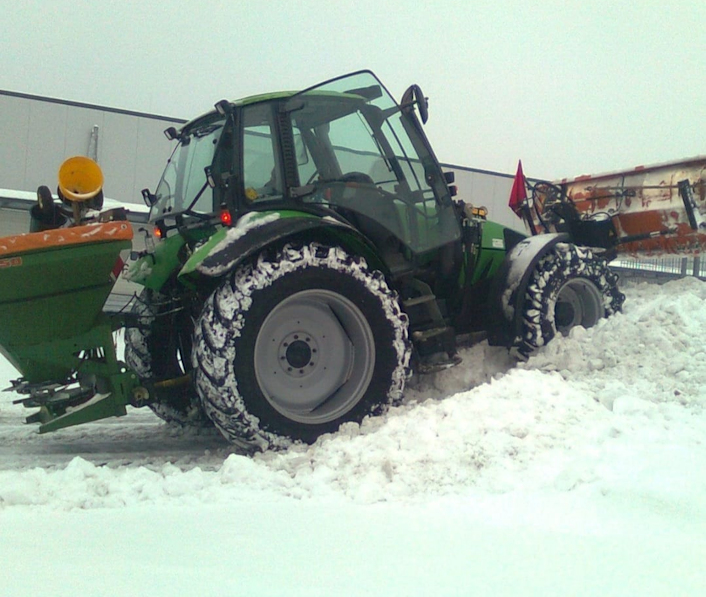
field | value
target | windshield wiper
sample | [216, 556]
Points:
[188, 210]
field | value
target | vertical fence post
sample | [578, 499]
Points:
[684, 265]
[697, 266]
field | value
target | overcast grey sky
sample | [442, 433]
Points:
[568, 87]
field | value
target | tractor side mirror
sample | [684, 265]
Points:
[171, 133]
[223, 107]
[450, 178]
[413, 96]
[148, 197]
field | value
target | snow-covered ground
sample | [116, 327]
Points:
[580, 472]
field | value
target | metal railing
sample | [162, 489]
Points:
[668, 267]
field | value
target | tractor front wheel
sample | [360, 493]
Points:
[570, 286]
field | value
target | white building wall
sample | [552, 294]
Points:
[38, 134]
[13, 221]
[487, 189]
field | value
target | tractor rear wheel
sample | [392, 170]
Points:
[159, 347]
[294, 345]
[570, 286]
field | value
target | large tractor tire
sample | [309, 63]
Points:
[292, 346]
[570, 286]
[159, 347]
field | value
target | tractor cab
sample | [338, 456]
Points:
[343, 150]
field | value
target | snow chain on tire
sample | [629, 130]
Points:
[564, 265]
[248, 330]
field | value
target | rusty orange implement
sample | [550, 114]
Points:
[668, 200]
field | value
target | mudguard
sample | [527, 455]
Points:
[510, 283]
[229, 247]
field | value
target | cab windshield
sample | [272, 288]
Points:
[183, 185]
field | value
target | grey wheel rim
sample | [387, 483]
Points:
[314, 356]
[579, 302]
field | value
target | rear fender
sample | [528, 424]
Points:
[510, 283]
[230, 247]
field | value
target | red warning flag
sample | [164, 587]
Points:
[518, 195]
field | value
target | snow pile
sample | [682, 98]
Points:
[618, 408]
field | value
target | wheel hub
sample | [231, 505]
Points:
[298, 354]
[579, 302]
[565, 315]
[314, 356]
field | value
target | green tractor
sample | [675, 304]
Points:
[311, 257]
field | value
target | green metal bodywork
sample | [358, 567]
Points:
[155, 268]
[53, 298]
[492, 251]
